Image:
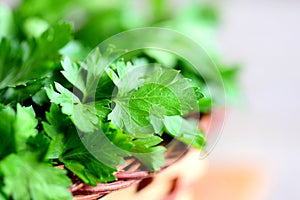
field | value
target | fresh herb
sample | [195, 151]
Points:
[60, 107]
[25, 172]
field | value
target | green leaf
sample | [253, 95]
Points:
[53, 39]
[117, 136]
[40, 97]
[148, 153]
[96, 160]
[63, 97]
[11, 54]
[57, 124]
[7, 137]
[72, 73]
[14, 95]
[2, 195]
[89, 169]
[148, 142]
[99, 146]
[205, 105]
[185, 131]
[85, 117]
[102, 109]
[94, 66]
[94, 156]
[74, 50]
[121, 117]
[18, 127]
[34, 27]
[84, 112]
[19, 134]
[161, 92]
[6, 21]
[167, 59]
[24, 126]
[149, 95]
[28, 179]
[122, 69]
[21, 62]
[105, 88]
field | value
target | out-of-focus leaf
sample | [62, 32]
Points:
[6, 21]
[33, 59]
[185, 131]
[38, 180]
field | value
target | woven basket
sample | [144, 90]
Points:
[132, 172]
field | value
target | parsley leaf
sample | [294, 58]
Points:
[6, 132]
[22, 159]
[85, 114]
[94, 156]
[161, 92]
[16, 129]
[63, 97]
[28, 179]
[24, 126]
[185, 131]
[14, 95]
[148, 153]
[34, 58]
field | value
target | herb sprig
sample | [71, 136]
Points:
[58, 108]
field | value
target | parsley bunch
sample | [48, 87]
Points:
[66, 119]
[57, 107]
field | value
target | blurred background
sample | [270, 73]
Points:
[263, 132]
[257, 155]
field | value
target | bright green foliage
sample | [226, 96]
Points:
[185, 131]
[82, 112]
[163, 92]
[66, 146]
[23, 171]
[6, 132]
[24, 126]
[16, 128]
[57, 108]
[26, 179]
[148, 153]
[24, 61]
[94, 156]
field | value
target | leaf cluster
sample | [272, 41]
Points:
[60, 107]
